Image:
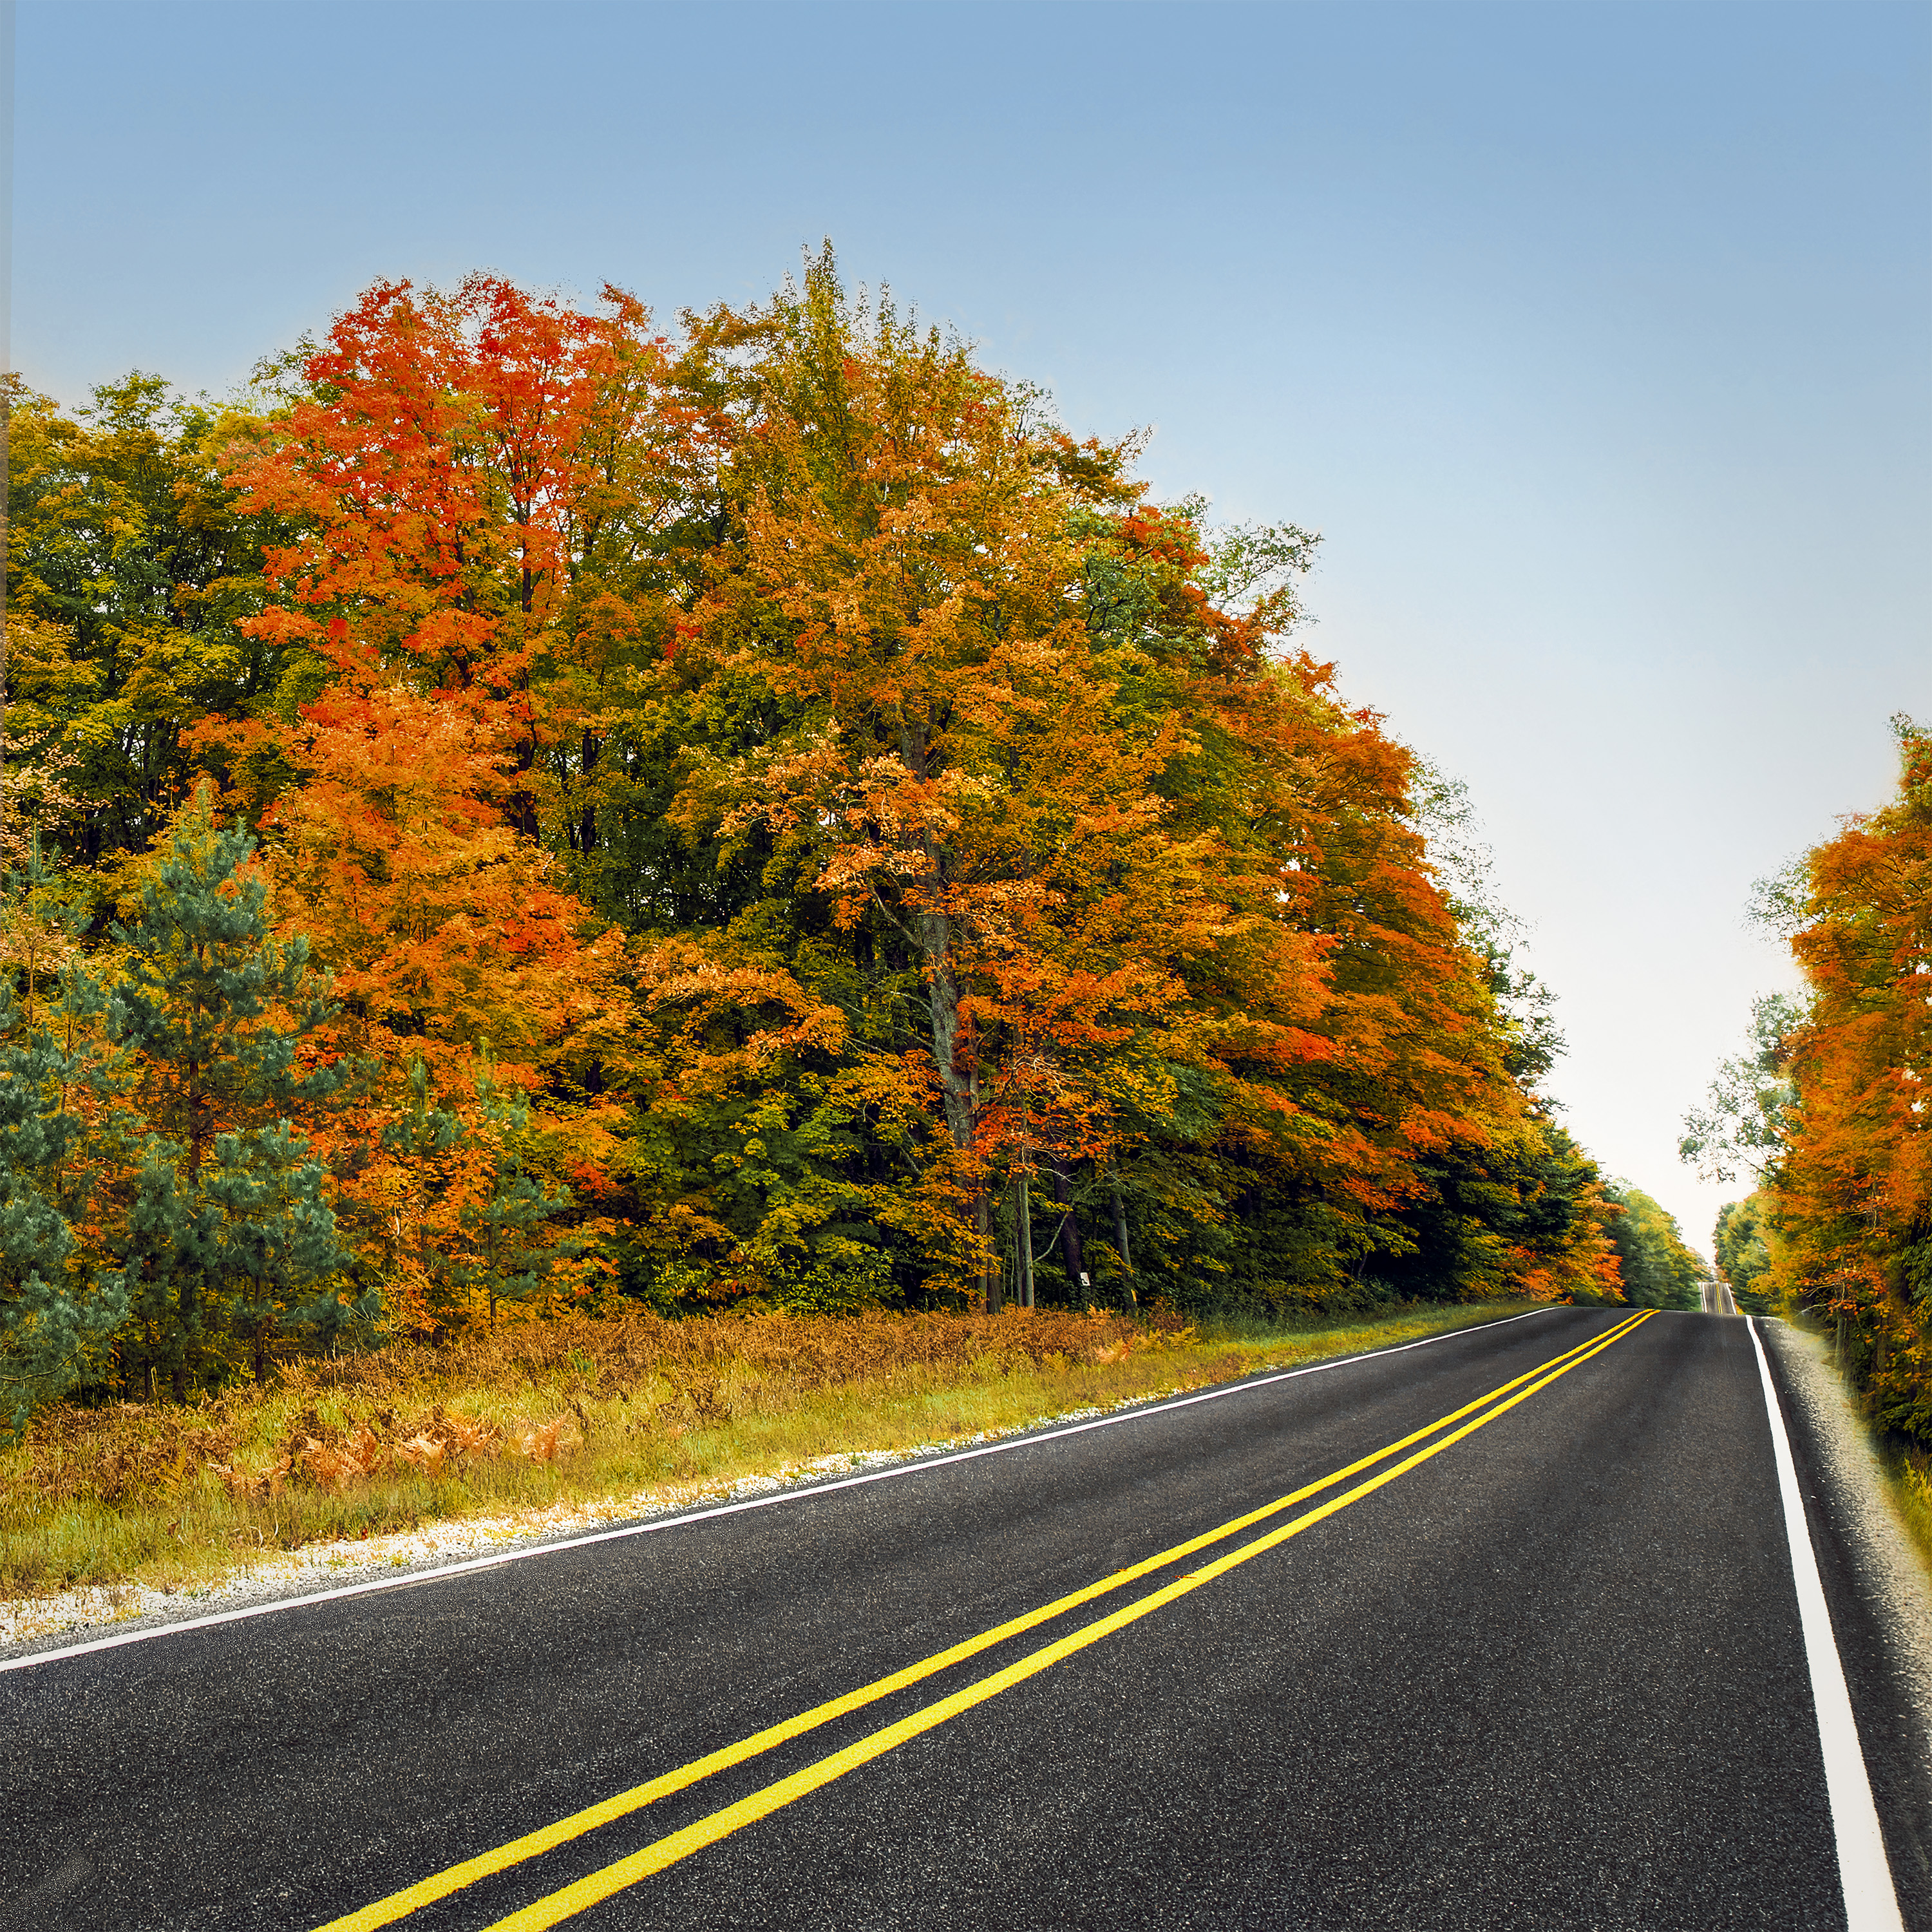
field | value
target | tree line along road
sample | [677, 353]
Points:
[1718, 1298]
[1532, 1625]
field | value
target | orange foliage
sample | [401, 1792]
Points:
[1851, 1191]
[958, 700]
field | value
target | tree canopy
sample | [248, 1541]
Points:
[1833, 1102]
[758, 813]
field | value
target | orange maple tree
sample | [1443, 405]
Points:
[979, 830]
[450, 463]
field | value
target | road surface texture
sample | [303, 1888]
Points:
[1512, 1636]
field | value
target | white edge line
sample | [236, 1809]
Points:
[1871, 1905]
[801, 1493]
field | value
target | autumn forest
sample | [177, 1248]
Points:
[522, 810]
[1826, 1111]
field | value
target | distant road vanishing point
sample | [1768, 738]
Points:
[1545, 1625]
[1717, 1298]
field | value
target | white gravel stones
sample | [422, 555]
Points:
[323, 1565]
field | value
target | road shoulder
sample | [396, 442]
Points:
[314, 1572]
[1880, 1599]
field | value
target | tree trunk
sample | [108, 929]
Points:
[522, 808]
[994, 1288]
[1073, 1257]
[1121, 1243]
[935, 936]
[1025, 1242]
[958, 1087]
[587, 824]
[201, 1125]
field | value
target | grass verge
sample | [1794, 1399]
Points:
[1908, 1472]
[622, 1414]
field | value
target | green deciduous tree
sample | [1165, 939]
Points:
[130, 570]
[1741, 1125]
[1743, 1248]
[1658, 1270]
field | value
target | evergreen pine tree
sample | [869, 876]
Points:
[228, 1231]
[52, 1314]
[56, 1308]
[274, 1249]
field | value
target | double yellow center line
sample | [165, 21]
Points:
[601, 1885]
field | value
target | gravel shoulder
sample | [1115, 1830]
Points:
[1900, 1592]
[1880, 1598]
[30, 1625]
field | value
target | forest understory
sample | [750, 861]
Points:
[618, 1415]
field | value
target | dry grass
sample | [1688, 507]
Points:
[1911, 1489]
[567, 1411]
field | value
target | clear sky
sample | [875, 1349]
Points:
[1596, 339]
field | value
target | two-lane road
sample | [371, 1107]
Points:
[1500, 1630]
[1717, 1298]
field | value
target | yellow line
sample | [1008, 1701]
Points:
[597, 1886]
[440, 1885]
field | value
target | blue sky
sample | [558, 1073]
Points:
[1596, 340]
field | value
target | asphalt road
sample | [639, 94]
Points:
[1717, 1299]
[1550, 1674]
